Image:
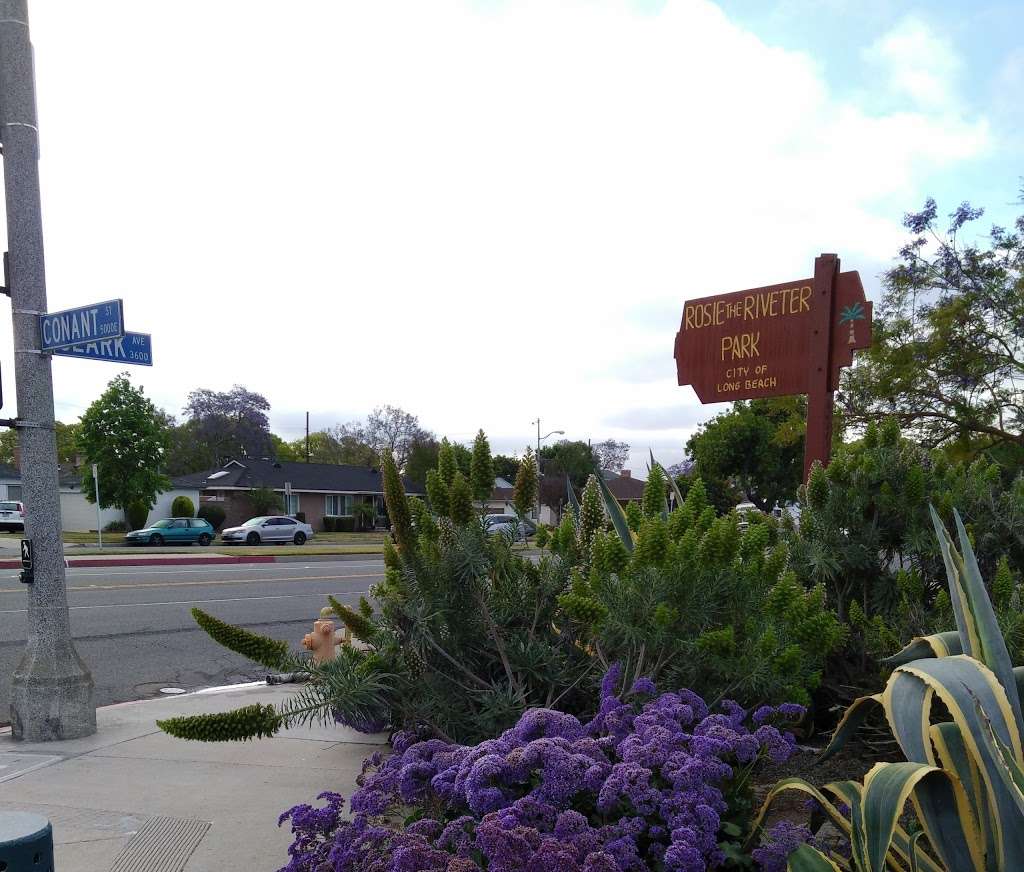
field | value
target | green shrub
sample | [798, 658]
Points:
[265, 501]
[328, 523]
[300, 516]
[213, 514]
[136, 514]
[543, 536]
[344, 524]
[183, 507]
[116, 527]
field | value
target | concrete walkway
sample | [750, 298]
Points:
[131, 799]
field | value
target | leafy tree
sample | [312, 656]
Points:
[125, 435]
[423, 456]
[447, 465]
[755, 448]
[341, 444]
[611, 455]
[230, 425]
[67, 443]
[655, 493]
[265, 501]
[948, 353]
[566, 457]
[389, 428]
[460, 499]
[506, 467]
[524, 495]
[186, 451]
[287, 450]
[481, 469]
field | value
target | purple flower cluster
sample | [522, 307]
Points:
[638, 787]
[778, 843]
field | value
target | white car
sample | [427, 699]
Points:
[12, 515]
[274, 528]
[519, 528]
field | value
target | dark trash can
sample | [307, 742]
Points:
[26, 842]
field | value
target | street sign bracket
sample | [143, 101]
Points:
[6, 288]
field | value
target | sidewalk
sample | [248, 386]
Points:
[132, 799]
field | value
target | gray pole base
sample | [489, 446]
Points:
[51, 694]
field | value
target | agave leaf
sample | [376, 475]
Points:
[914, 839]
[664, 497]
[961, 611]
[853, 717]
[993, 646]
[1010, 771]
[907, 701]
[958, 681]
[675, 487]
[945, 644]
[573, 502]
[614, 510]
[798, 784]
[955, 757]
[808, 859]
[942, 806]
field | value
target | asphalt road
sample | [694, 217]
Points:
[133, 627]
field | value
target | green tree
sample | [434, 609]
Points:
[287, 450]
[756, 449]
[437, 493]
[481, 469]
[67, 443]
[125, 434]
[947, 357]
[460, 499]
[342, 444]
[423, 455]
[572, 458]
[183, 507]
[446, 463]
[524, 495]
[506, 467]
[265, 501]
[655, 493]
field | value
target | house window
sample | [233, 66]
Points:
[14, 492]
[291, 504]
[339, 504]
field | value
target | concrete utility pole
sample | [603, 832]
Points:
[52, 689]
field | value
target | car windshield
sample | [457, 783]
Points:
[254, 522]
[8, 507]
[161, 525]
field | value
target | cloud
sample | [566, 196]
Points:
[474, 211]
[917, 63]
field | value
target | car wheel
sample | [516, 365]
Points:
[204, 539]
[300, 538]
[156, 539]
[252, 539]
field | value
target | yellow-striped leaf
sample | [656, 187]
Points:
[808, 859]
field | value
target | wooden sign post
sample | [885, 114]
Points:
[790, 338]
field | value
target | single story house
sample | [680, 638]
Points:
[554, 497]
[500, 501]
[76, 512]
[312, 490]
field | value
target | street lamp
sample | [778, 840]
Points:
[539, 440]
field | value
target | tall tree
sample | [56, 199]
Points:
[126, 435]
[524, 497]
[446, 463]
[481, 469]
[286, 450]
[567, 457]
[422, 458]
[232, 424]
[389, 428]
[67, 444]
[342, 444]
[756, 448]
[611, 455]
[948, 355]
[506, 467]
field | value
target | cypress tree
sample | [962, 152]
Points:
[524, 496]
[460, 500]
[481, 469]
[446, 464]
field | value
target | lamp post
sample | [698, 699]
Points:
[539, 440]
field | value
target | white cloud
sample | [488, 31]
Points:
[917, 63]
[450, 208]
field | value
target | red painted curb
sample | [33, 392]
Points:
[152, 561]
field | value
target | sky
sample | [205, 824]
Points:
[485, 211]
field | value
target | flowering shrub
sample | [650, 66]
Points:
[652, 782]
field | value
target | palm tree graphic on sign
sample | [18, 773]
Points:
[852, 314]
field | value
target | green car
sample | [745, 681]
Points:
[173, 531]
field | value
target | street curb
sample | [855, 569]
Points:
[151, 561]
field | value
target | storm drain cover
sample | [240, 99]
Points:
[162, 844]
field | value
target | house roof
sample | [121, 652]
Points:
[318, 477]
[624, 487]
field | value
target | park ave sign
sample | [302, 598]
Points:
[789, 338]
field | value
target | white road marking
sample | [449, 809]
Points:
[236, 599]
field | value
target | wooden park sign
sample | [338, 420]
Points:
[790, 338]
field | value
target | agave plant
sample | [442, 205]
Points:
[965, 768]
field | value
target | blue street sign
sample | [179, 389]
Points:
[134, 348]
[85, 324]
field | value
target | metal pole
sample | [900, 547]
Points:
[96, 482]
[307, 437]
[538, 470]
[52, 689]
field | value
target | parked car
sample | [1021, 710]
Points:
[276, 528]
[173, 531]
[12, 516]
[520, 528]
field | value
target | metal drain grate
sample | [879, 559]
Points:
[162, 844]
